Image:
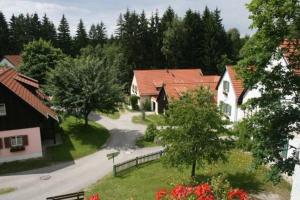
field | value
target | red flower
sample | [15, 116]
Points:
[160, 194]
[180, 192]
[94, 197]
[237, 194]
[204, 192]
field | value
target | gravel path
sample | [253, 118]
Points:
[74, 176]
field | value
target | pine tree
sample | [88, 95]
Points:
[144, 40]
[64, 40]
[48, 31]
[81, 38]
[101, 34]
[17, 32]
[34, 27]
[4, 35]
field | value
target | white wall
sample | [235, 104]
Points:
[230, 98]
[5, 62]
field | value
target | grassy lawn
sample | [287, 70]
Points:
[142, 183]
[78, 141]
[143, 143]
[158, 120]
[113, 115]
[6, 190]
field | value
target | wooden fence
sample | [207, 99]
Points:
[71, 196]
[136, 162]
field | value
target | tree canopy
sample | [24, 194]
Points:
[277, 115]
[194, 124]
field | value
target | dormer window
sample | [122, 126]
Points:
[226, 87]
[2, 109]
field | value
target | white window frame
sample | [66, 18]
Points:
[226, 89]
[16, 141]
[2, 109]
[225, 108]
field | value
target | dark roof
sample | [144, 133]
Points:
[14, 81]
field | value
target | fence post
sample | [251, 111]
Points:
[114, 170]
[136, 161]
[160, 153]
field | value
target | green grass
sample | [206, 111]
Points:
[141, 142]
[158, 120]
[6, 190]
[113, 114]
[142, 183]
[78, 141]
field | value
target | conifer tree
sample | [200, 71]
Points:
[48, 31]
[4, 35]
[64, 40]
[81, 38]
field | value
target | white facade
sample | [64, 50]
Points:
[5, 62]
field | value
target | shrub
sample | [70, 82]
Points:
[151, 132]
[244, 139]
[220, 185]
[134, 102]
[147, 105]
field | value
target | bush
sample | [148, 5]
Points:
[220, 185]
[244, 139]
[147, 105]
[151, 132]
[134, 102]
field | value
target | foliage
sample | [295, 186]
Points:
[134, 102]
[64, 40]
[4, 35]
[144, 182]
[158, 120]
[244, 137]
[39, 57]
[97, 34]
[147, 105]
[81, 38]
[150, 133]
[199, 192]
[84, 84]
[192, 134]
[220, 185]
[276, 120]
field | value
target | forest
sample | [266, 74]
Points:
[196, 40]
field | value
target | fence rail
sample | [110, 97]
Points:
[135, 162]
[71, 196]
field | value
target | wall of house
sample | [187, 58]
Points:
[5, 62]
[134, 83]
[20, 115]
[32, 150]
[295, 193]
[230, 98]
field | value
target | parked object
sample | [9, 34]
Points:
[71, 196]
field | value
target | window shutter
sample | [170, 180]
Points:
[7, 142]
[25, 140]
[1, 145]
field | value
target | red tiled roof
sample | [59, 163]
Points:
[10, 79]
[290, 48]
[237, 83]
[16, 60]
[149, 80]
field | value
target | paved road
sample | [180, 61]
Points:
[74, 176]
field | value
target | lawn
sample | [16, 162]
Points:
[6, 190]
[113, 114]
[141, 143]
[78, 141]
[142, 183]
[157, 120]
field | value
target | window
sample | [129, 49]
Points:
[225, 87]
[225, 108]
[16, 141]
[134, 89]
[2, 109]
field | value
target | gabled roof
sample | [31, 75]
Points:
[16, 60]
[236, 81]
[13, 81]
[149, 81]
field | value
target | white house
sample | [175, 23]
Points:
[13, 61]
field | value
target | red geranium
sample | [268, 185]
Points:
[237, 194]
[180, 192]
[161, 194]
[204, 192]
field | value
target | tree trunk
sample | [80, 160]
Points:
[193, 169]
[86, 120]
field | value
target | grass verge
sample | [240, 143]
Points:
[78, 141]
[157, 120]
[142, 183]
[6, 190]
[141, 142]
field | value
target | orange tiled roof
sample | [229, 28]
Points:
[11, 80]
[237, 83]
[16, 60]
[149, 81]
[290, 48]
